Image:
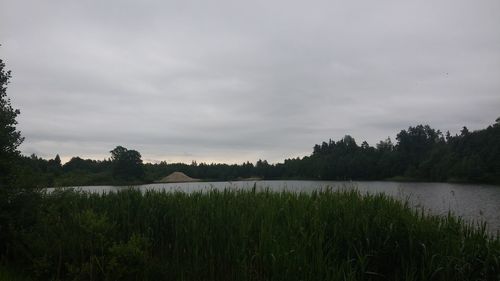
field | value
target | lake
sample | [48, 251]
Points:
[469, 201]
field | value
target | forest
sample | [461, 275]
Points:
[420, 153]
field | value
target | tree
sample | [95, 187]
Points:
[127, 164]
[464, 132]
[54, 165]
[385, 145]
[10, 137]
[414, 145]
[365, 145]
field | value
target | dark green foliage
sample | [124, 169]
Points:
[10, 138]
[421, 153]
[9, 274]
[241, 235]
[127, 164]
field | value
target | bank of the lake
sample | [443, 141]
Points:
[240, 235]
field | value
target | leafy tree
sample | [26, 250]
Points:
[10, 137]
[385, 145]
[54, 165]
[127, 164]
[464, 131]
[415, 144]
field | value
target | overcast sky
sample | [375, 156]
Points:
[231, 81]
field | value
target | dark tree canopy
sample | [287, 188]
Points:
[127, 164]
[10, 137]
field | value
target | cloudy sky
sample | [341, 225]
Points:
[230, 81]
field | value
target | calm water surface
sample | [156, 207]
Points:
[473, 202]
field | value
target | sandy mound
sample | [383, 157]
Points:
[177, 177]
[249, 179]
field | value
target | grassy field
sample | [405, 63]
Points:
[238, 235]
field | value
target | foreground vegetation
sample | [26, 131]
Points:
[238, 235]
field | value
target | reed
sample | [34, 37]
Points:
[245, 235]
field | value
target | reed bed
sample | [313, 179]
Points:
[241, 235]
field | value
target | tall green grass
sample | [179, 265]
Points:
[242, 235]
[7, 274]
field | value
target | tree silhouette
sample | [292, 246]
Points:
[10, 137]
[127, 164]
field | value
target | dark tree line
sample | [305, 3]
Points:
[419, 153]
[123, 167]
